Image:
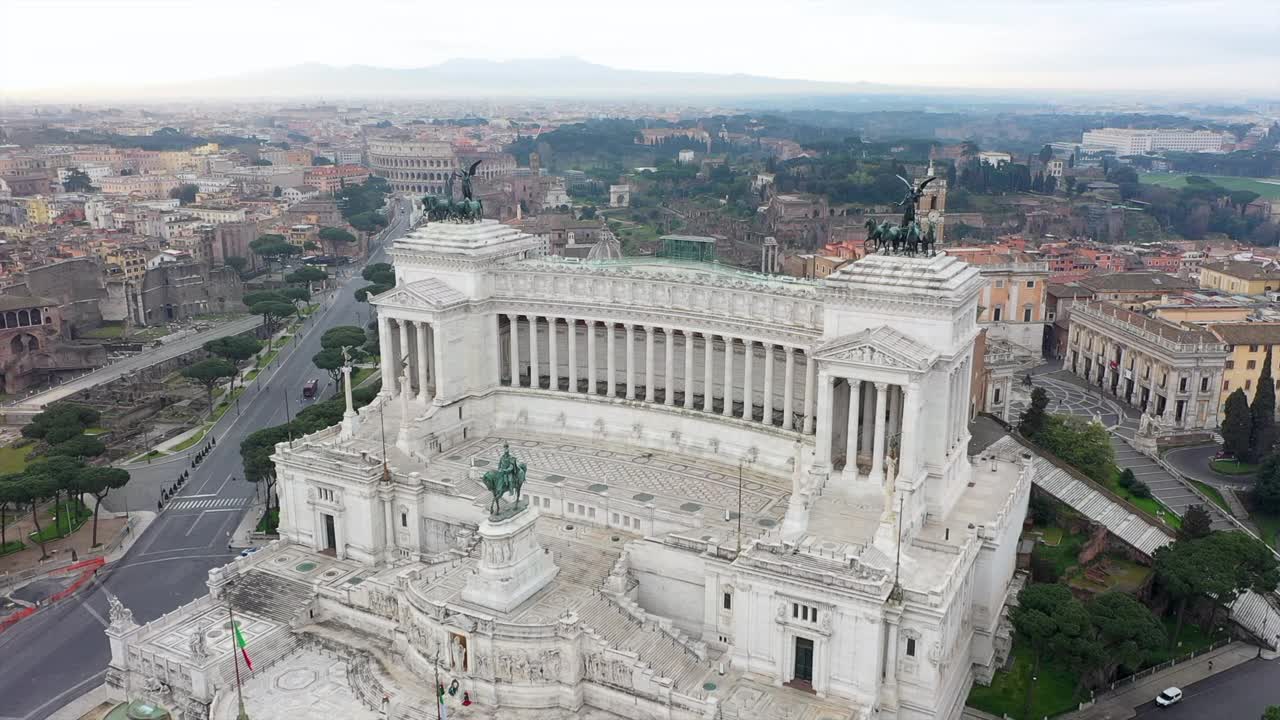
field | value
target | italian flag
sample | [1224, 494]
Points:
[235, 626]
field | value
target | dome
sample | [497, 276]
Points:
[606, 248]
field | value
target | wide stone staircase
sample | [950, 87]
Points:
[580, 562]
[269, 597]
[662, 651]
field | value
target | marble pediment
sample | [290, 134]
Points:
[429, 294]
[882, 347]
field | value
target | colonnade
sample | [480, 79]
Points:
[866, 420]
[660, 364]
[413, 342]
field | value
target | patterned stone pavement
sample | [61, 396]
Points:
[303, 685]
[671, 480]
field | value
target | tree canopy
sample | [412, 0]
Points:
[273, 248]
[307, 274]
[209, 373]
[1262, 429]
[185, 193]
[1031, 423]
[78, 181]
[1196, 523]
[1080, 443]
[236, 348]
[61, 422]
[382, 278]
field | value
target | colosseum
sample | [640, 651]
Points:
[413, 166]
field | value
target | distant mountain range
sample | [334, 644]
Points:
[550, 78]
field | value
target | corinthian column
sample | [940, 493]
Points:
[748, 401]
[851, 432]
[629, 345]
[688, 369]
[385, 347]
[768, 384]
[708, 373]
[610, 348]
[809, 389]
[514, 337]
[535, 379]
[405, 386]
[592, 389]
[788, 392]
[424, 362]
[553, 353]
[668, 378]
[648, 364]
[573, 354]
[877, 452]
[727, 410]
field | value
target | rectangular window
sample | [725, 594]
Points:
[1204, 385]
[591, 513]
[728, 601]
[1253, 348]
[999, 283]
[1231, 365]
[1251, 365]
[1026, 314]
[1031, 283]
[996, 313]
[795, 610]
[1226, 385]
[1248, 384]
[911, 647]
[615, 518]
[1182, 385]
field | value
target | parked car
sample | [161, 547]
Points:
[249, 551]
[1169, 697]
[1223, 455]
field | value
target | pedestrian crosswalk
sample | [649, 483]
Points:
[207, 504]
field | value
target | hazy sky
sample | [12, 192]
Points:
[1085, 44]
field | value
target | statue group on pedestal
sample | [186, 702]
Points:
[907, 238]
[508, 477]
[468, 209]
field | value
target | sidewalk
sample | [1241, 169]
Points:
[1120, 705]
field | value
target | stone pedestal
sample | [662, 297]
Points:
[513, 565]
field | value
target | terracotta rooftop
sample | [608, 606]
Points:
[1162, 328]
[1248, 333]
[1244, 270]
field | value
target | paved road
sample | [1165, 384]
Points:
[1194, 463]
[1241, 693]
[60, 653]
[131, 365]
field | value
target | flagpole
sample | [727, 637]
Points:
[439, 692]
[235, 658]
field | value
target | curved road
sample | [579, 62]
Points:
[60, 653]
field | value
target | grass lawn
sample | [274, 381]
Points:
[361, 374]
[1052, 536]
[1268, 525]
[1151, 506]
[1231, 467]
[12, 546]
[1063, 555]
[283, 339]
[1269, 190]
[267, 358]
[14, 459]
[105, 332]
[1192, 639]
[1212, 493]
[1055, 690]
[250, 375]
[95, 431]
[191, 440]
[54, 527]
[269, 522]
[225, 405]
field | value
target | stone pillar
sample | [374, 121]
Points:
[669, 366]
[822, 453]
[628, 345]
[727, 410]
[649, 390]
[688, 369]
[877, 450]
[497, 335]
[535, 381]
[895, 411]
[869, 425]
[1008, 395]
[610, 348]
[424, 362]
[809, 387]
[404, 351]
[572, 326]
[591, 357]
[388, 356]
[514, 323]
[909, 442]
[748, 369]
[768, 384]
[851, 438]
[553, 353]
[708, 372]
[788, 391]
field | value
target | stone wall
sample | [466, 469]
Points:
[174, 292]
[77, 286]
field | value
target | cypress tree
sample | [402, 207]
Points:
[1237, 425]
[1262, 435]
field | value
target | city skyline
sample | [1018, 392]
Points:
[1084, 45]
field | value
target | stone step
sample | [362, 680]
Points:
[580, 562]
[268, 596]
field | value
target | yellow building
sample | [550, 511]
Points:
[1247, 345]
[38, 212]
[1203, 314]
[1244, 278]
[126, 263]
